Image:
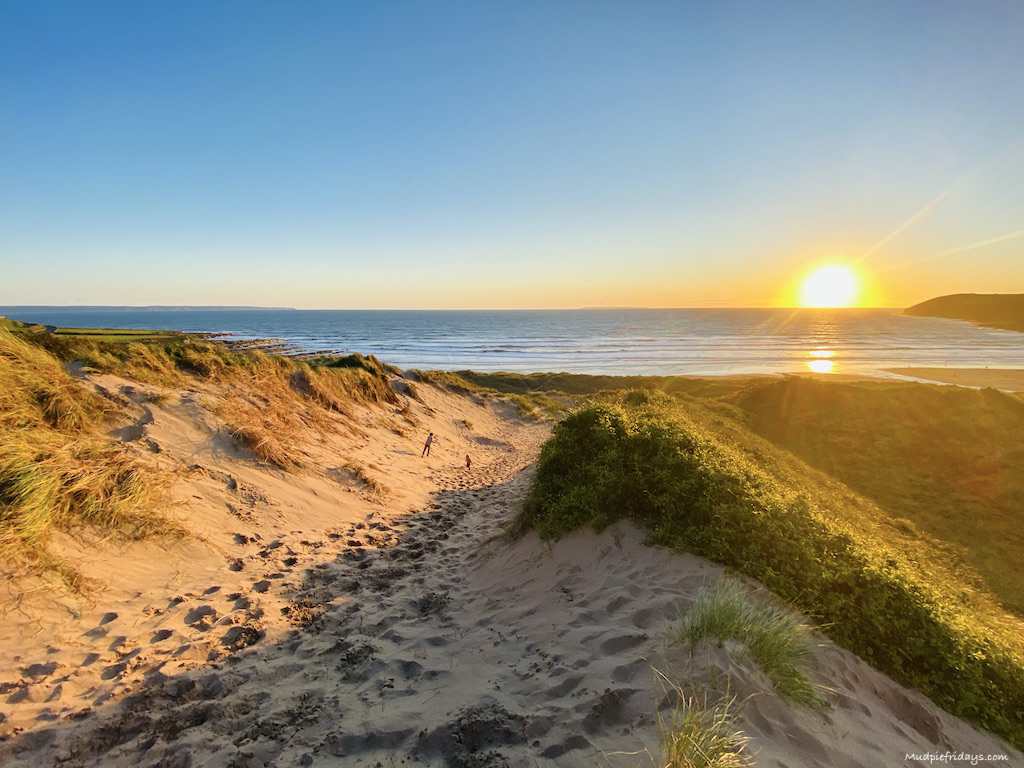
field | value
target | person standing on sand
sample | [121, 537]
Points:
[468, 462]
[426, 447]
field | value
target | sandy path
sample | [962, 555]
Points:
[454, 647]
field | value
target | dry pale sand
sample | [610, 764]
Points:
[314, 619]
[998, 378]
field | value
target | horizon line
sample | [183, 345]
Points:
[241, 307]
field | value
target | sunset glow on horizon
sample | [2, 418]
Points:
[463, 155]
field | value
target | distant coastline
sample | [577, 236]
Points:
[601, 342]
[14, 308]
[992, 310]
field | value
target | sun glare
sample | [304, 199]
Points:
[833, 285]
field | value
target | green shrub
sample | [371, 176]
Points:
[701, 482]
[948, 459]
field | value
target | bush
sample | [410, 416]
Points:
[700, 482]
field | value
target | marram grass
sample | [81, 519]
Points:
[781, 645]
[701, 734]
[57, 470]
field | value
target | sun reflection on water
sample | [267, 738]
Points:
[822, 362]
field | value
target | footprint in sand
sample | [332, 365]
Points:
[201, 618]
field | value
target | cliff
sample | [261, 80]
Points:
[995, 310]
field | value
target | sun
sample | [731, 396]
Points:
[833, 285]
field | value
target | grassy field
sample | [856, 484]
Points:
[533, 402]
[94, 334]
[701, 480]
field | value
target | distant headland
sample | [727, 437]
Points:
[994, 310]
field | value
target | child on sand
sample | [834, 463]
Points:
[426, 447]
[467, 461]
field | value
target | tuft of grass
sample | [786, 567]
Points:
[779, 644]
[701, 734]
[406, 413]
[367, 363]
[158, 398]
[525, 405]
[414, 393]
[373, 486]
[271, 445]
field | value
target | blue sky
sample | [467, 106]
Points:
[507, 154]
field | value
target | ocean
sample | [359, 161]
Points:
[595, 341]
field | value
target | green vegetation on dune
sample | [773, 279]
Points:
[948, 459]
[555, 393]
[699, 480]
[20, 327]
[97, 334]
[530, 402]
[582, 384]
[996, 310]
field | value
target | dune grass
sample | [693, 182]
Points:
[583, 384]
[780, 645]
[20, 327]
[701, 481]
[531, 403]
[701, 734]
[275, 403]
[270, 403]
[57, 469]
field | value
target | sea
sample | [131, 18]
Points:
[594, 341]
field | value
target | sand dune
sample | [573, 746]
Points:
[367, 611]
